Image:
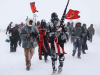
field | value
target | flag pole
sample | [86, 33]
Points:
[26, 18]
[34, 18]
[70, 21]
[63, 16]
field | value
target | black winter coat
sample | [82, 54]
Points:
[14, 34]
[87, 35]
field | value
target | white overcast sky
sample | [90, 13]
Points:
[17, 10]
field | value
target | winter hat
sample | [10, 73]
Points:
[43, 20]
[78, 20]
[21, 23]
[91, 25]
[12, 25]
[54, 17]
[78, 23]
[84, 24]
[38, 21]
[72, 23]
[30, 22]
[43, 23]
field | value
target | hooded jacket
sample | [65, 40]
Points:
[91, 30]
[78, 33]
[28, 29]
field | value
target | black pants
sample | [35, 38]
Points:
[84, 46]
[55, 55]
[19, 41]
[44, 53]
[91, 36]
[13, 45]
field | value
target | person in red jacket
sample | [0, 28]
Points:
[42, 41]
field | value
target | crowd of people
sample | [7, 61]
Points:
[13, 31]
[49, 39]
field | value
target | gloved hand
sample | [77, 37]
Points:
[63, 36]
[33, 34]
[88, 38]
[57, 34]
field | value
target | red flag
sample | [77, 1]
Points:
[33, 7]
[72, 14]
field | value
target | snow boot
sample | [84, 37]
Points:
[73, 54]
[11, 49]
[54, 72]
[79, 56]
[59, 69]
[83, 51]
[40, 57]
[28, 68]
[14, 50]
[45, 58]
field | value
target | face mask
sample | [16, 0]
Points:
[54, 19]
[55, 22]
[43, 25]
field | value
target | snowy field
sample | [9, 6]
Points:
[14, 63]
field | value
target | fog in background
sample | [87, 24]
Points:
[18, 10]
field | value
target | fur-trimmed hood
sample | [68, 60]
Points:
[27, 22]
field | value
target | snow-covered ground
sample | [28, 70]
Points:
[14, 63]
